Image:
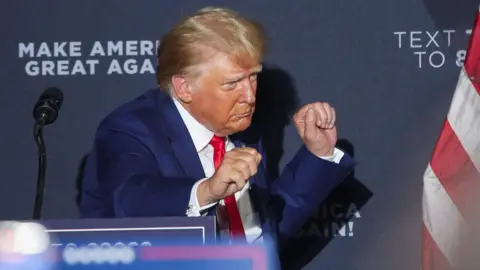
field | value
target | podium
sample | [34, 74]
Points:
[134, 243]
[130, 231]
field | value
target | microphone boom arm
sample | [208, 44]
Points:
[42, 165]
[45, 112]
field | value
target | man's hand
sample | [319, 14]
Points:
[315, 123]
[237, 167]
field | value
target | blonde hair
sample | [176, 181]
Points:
[217, 29]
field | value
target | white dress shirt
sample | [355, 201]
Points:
[201, 137]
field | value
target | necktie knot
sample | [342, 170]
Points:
[218, 143]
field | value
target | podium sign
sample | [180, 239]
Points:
[130, 231]
[180, 257]
[130, 243]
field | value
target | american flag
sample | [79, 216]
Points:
[451, 183]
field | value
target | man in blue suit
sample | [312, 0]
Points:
[169, 153]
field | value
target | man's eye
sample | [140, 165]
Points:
[230, 85]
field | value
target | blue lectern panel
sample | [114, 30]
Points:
[130, 231]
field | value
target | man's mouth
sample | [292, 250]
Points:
[244, 114]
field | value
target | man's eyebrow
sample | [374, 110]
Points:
[239, 77]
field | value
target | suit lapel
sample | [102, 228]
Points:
[180, 140]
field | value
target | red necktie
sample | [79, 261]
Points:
[235, 221]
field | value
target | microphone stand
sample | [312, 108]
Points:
[42, 165]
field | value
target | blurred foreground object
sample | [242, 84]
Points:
[173, 256]
[32, 246]
[24, 245]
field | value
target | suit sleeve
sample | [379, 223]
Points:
[123, 180]
[305, 182]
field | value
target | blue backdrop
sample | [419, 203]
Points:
[389, 67]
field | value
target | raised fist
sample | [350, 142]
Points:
[237, 167]
[315, 123]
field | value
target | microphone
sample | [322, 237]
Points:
[45, 112]
[46, 109]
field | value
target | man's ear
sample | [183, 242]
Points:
[182, 88]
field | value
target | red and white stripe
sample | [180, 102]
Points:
[451, 181]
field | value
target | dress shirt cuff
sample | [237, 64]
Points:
[194, 209]
[335, 157]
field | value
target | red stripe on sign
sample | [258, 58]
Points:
[258, 255]
[432, 257]
[456, 172]
[472, 58]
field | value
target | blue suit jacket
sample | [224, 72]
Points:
[144, 164]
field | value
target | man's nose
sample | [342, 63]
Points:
[248, 94]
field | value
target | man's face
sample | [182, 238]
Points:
[223, 95]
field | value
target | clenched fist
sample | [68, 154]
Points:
[237, 167]
[315, 123]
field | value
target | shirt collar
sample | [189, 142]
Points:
[200, 135]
